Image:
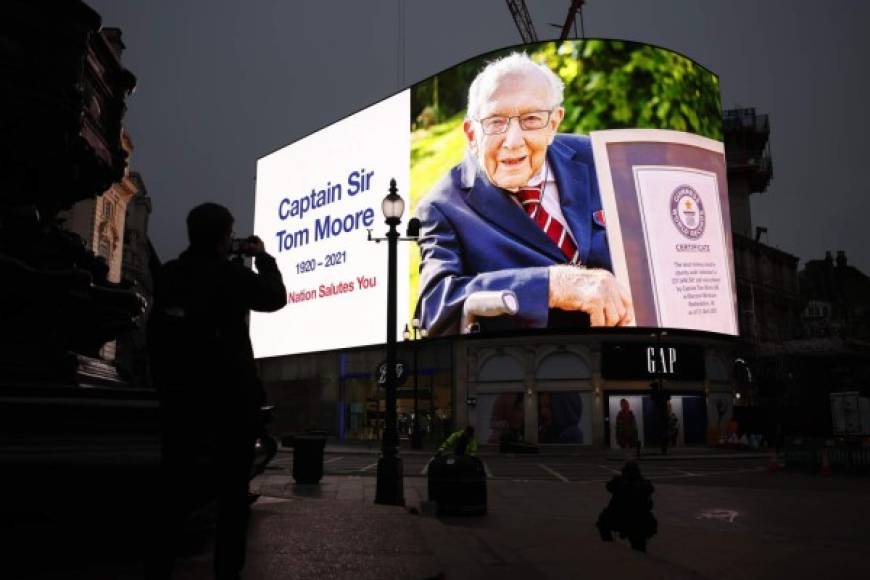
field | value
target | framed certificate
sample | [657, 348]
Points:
[665, 198]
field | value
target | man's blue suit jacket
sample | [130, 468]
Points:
[475, 237]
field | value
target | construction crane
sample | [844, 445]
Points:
[523, 20]
[520, 13]
[576, 6]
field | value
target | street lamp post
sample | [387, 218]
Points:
[416, 440]
[661, 398]
[742, 380]
[390, 483]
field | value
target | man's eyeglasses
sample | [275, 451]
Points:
[531, 121]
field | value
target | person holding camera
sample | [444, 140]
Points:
[629, 511]
[210, 394]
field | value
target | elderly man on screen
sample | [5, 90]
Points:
[522, 212]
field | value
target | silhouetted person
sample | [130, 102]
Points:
[673, 426]
[629, 512]
[626, 426]
[210, 394]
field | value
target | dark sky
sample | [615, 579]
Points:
[221, 84]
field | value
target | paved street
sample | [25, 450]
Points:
[545, 467]
[719, 517]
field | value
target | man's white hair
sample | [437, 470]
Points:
[515, 64]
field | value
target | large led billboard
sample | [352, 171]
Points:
[561, 185]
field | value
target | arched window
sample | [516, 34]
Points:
[563, 365]
[501, 367]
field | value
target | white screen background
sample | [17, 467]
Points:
[376, 139]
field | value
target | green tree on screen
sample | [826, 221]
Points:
[616, 85]
[609, 84]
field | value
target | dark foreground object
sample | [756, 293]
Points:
[457, 484]
[629, 512]
[308, 457]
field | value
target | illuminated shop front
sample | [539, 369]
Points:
[541, 388]
[558, 390]
[338, 392]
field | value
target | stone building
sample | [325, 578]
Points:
[835, 299]
[100, 223]
[768, 295]
[137, 270]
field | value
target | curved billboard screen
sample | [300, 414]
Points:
[564, 185]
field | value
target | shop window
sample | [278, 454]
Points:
[686, 423]
[500, 417]
[363, 407]
[634, 419]
[565, 418]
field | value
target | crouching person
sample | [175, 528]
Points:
[460, 443]
[629, 512]
[456, 477]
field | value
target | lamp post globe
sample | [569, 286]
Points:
[393, 205]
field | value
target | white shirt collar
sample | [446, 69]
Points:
[543, 173]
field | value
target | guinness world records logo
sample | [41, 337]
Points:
[687, 212]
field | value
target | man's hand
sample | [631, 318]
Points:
[253, 246]
[595, 292]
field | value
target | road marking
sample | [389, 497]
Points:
[705, 474]
[367, 467]
[684, 472]
[610, 469]
[488, 471]
[719, 514]
[265, 499]
[553, 472]
[333, 460]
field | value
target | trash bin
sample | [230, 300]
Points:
[308, 456]
[457, 484]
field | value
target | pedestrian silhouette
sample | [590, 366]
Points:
[206, 378]
[629, 512]
[626, 426]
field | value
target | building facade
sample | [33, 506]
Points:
[100, 223]
[542, 388]
[137, 266]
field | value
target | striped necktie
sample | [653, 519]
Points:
[530, 198]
